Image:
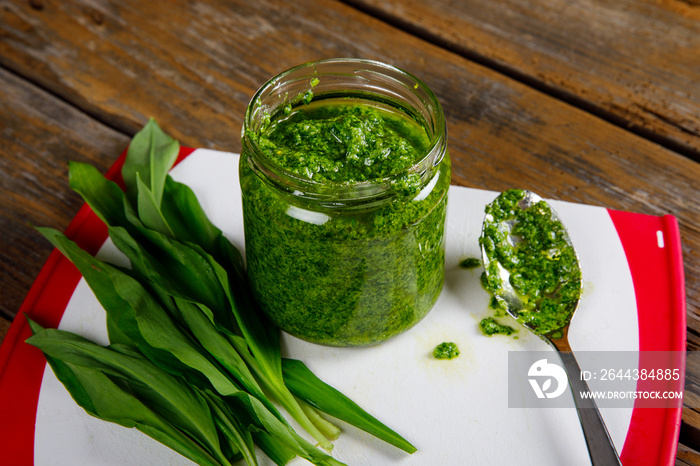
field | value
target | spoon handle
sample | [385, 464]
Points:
[600, 446]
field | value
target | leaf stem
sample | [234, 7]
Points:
[328, 429]
[281, 393]
[235, 433]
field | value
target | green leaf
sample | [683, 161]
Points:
[190, 223]
[119, 306]
[263, 419]
[67, 377]
[116, 334]
[304, 384]
[239, 437]
[279, 390]
[111, 403]
[164, 273]
[199, 320]
[173, 399]
[260, 346]
[140, 317]
[104, 399]
[104, 196]
[149, 209]
[178, 269]
[151, 155]
[278, 453]
[183, 212]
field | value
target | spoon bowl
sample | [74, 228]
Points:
[533, 272]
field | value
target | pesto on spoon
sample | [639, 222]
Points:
[533, 272]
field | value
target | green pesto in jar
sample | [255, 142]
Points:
[353, 275]
[344, 142]
[543, 266]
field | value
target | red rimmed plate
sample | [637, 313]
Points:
[455, 412]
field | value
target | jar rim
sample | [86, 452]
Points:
[338, 191]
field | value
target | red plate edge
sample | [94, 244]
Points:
[21, 374]
[660, 305]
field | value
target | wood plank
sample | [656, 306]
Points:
[690, 423]
[4, 327]
[690, 429]
[39, 134]
[687, 455]
[636, 62]
[194, 66]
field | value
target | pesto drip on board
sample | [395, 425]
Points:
[533, 247]
[344, 272]
[446, 350]
[490, 326]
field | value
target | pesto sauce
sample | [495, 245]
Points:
[446, 350]
[470, 263]
[344, 277]
[543, 266]
[490, 326]
[343, 142]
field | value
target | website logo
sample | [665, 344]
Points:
[541, 376]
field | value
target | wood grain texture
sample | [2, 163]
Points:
[39, 134]
[83, 75]
[4, 327]
[635, 61]
[690, 424]
[687, 456]
[689, 436]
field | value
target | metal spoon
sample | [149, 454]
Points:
[600, 446]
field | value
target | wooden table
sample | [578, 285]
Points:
[590, 101]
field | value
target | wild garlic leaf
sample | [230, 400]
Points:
[188, 220]
[174, 399]
[279, 391]
[105, 197]
[282, 432]
[99, 395]
[110, 402]
[304, 384]
[278, 453]
[66, 375]
[151, 155]
[182, 210]
[159, 331]
[130, 307]
[179, 269]
[198, 320]
[99, 280]
[116, 334]
[263, 343]
[239, 437]
[261, 339]
[148, 209]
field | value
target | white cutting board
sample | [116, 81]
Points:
[454, 411]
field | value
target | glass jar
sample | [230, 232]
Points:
[345, 262]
